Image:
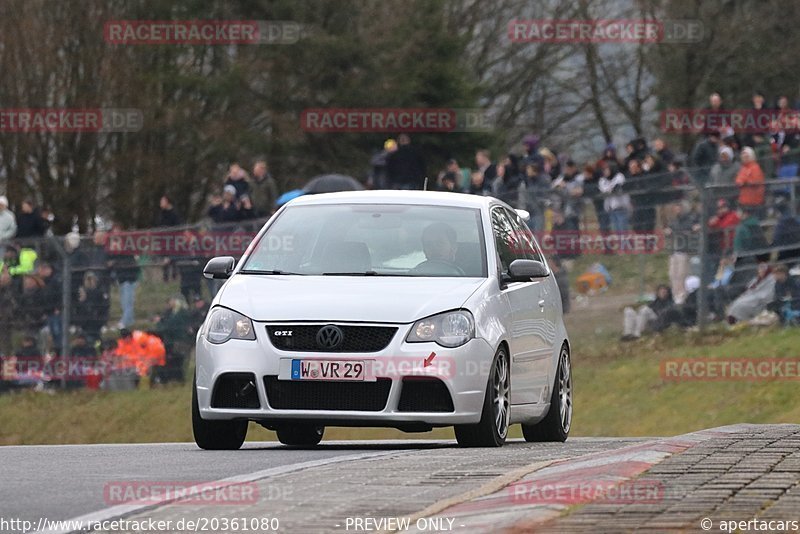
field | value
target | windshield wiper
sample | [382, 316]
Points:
[274, 271]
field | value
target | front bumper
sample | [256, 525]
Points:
[463, 370]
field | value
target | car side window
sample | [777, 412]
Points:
[504, 238]
[526, 247]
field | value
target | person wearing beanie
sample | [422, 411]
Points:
[724, 171]
[530, 144]
[225, 209]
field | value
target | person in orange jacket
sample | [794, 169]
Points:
[750, 181]
[140, 350]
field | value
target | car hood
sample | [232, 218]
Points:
[266, 298]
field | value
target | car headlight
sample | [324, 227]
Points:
[449, 329]
[224, 324]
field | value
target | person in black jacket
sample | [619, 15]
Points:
[238, 179]
[650, 317]
[50, 302]
[30, 222]
[509, 185]
[405, 167]
[167, 215]
[125, 269]
[81, 348]
[174, 327]
[224, 209]
[704, 156]
[91, 310]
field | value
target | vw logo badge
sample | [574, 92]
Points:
[329, 337]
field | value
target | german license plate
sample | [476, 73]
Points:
[329, 370]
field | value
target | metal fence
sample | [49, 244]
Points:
[72, 295]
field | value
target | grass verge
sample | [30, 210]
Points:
[618, 392]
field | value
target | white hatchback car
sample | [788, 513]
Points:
[404, 309]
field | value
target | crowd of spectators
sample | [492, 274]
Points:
[716, 194]
[244, 197]
[719, 191]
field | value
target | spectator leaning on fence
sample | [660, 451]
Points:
[537, 186]
[617, 203]
[569, 187]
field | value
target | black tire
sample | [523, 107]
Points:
[300, 435]
[558, 421]
[492, 429]
[216, 435]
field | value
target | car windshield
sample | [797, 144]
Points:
[372, 240]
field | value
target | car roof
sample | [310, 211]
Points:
[430, 198]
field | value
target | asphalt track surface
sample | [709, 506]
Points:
[67, 481]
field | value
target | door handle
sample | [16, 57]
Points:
[541, 303]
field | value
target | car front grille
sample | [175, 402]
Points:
[424, 394]
[235, 390]
[321, 395]
[306, 338]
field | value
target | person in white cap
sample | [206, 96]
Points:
[8, 223]
[726, 168]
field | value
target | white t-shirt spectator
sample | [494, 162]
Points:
[8, 223]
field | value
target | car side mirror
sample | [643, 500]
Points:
[219, 268]
[524, 270]
[525, 215]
